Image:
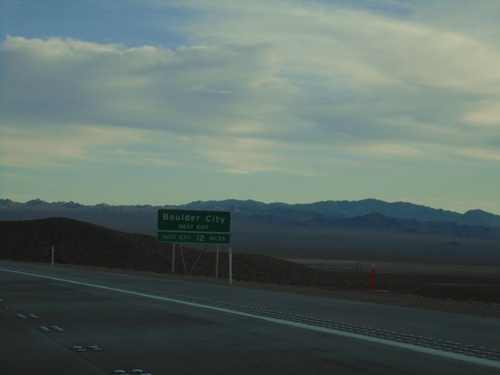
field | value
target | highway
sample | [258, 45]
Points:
[61, 320]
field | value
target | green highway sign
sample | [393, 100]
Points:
[193, 237]
[194, 221]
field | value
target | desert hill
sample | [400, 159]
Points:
[86, 244]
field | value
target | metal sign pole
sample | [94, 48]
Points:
[230, 265]
[173, 258]
[183, 261]
[197, 259]
[217, 262]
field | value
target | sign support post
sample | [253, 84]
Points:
[173, 258]
[230, 265]
[217, 262]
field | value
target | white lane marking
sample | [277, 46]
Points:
[415, 348]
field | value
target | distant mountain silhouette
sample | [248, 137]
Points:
[333, 229]
[364, 214]
[399, 210]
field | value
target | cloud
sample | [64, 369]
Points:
[353, 46]
[353, 65]
[485, 114]
[152, 87]
[63, 83]
[60, 147]
[261, 87]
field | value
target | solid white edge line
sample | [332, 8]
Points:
[416, 348]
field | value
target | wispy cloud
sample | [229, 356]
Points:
[60, 147]
[287, 87]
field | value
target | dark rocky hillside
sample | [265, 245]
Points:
[82, 243]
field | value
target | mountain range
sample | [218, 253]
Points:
[313, 212]
[397, 231]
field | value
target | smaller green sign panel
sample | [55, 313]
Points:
[194, 221]
[193, 237]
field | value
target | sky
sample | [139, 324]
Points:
[167, 101]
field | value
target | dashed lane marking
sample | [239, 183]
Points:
[446, 349]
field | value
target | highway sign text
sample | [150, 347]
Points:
[194, 221]
[193, 237]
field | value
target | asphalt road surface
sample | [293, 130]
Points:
[57, 320]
